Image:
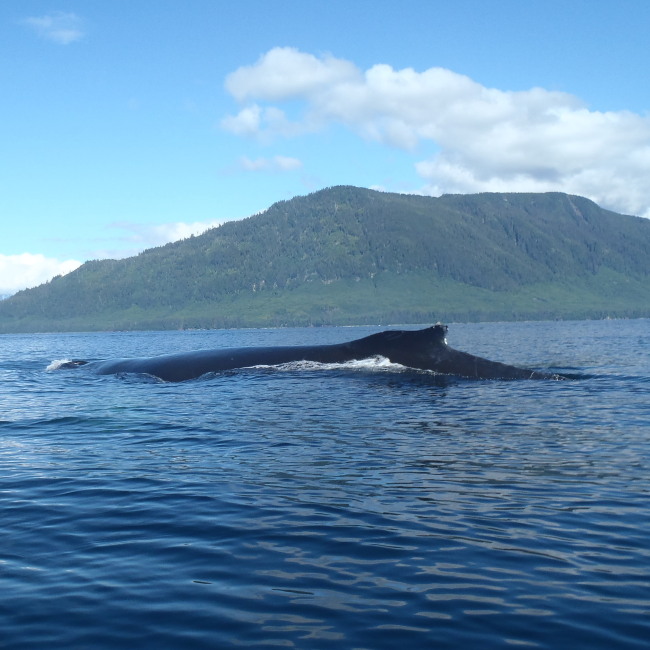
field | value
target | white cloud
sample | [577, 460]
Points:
[59, 27]
[246, 122]
[275, 164]
[487, 139]
[265, 123]
[284, 72]
[28, 270]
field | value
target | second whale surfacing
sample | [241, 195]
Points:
[424, 349]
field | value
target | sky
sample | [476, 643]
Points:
[126, 124]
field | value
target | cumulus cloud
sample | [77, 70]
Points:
[274, 164]
[284, 73]
[487, 139]
[28, 270]
[59, 27]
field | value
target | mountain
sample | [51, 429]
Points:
[348, 255]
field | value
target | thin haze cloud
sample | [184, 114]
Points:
[274, 164]
[488, 139]
[58, 27]
[159, 234]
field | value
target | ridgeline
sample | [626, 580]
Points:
[347, 255]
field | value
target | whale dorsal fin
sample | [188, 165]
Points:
[430, 335]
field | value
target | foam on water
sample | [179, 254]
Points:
[57, 363]
[372, 364]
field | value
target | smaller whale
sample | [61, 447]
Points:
[424, 349]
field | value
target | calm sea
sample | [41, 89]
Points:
[358, 506]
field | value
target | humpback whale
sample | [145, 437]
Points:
[424, 349]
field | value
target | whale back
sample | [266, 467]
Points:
[424, 349]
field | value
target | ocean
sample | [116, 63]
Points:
[356, 506]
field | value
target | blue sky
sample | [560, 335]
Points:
[129, 123]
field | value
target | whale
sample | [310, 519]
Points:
[424, 349]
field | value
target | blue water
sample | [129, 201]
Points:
[360, 506]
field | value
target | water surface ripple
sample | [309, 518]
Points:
[303, 507]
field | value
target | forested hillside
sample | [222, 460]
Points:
[350, 255]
